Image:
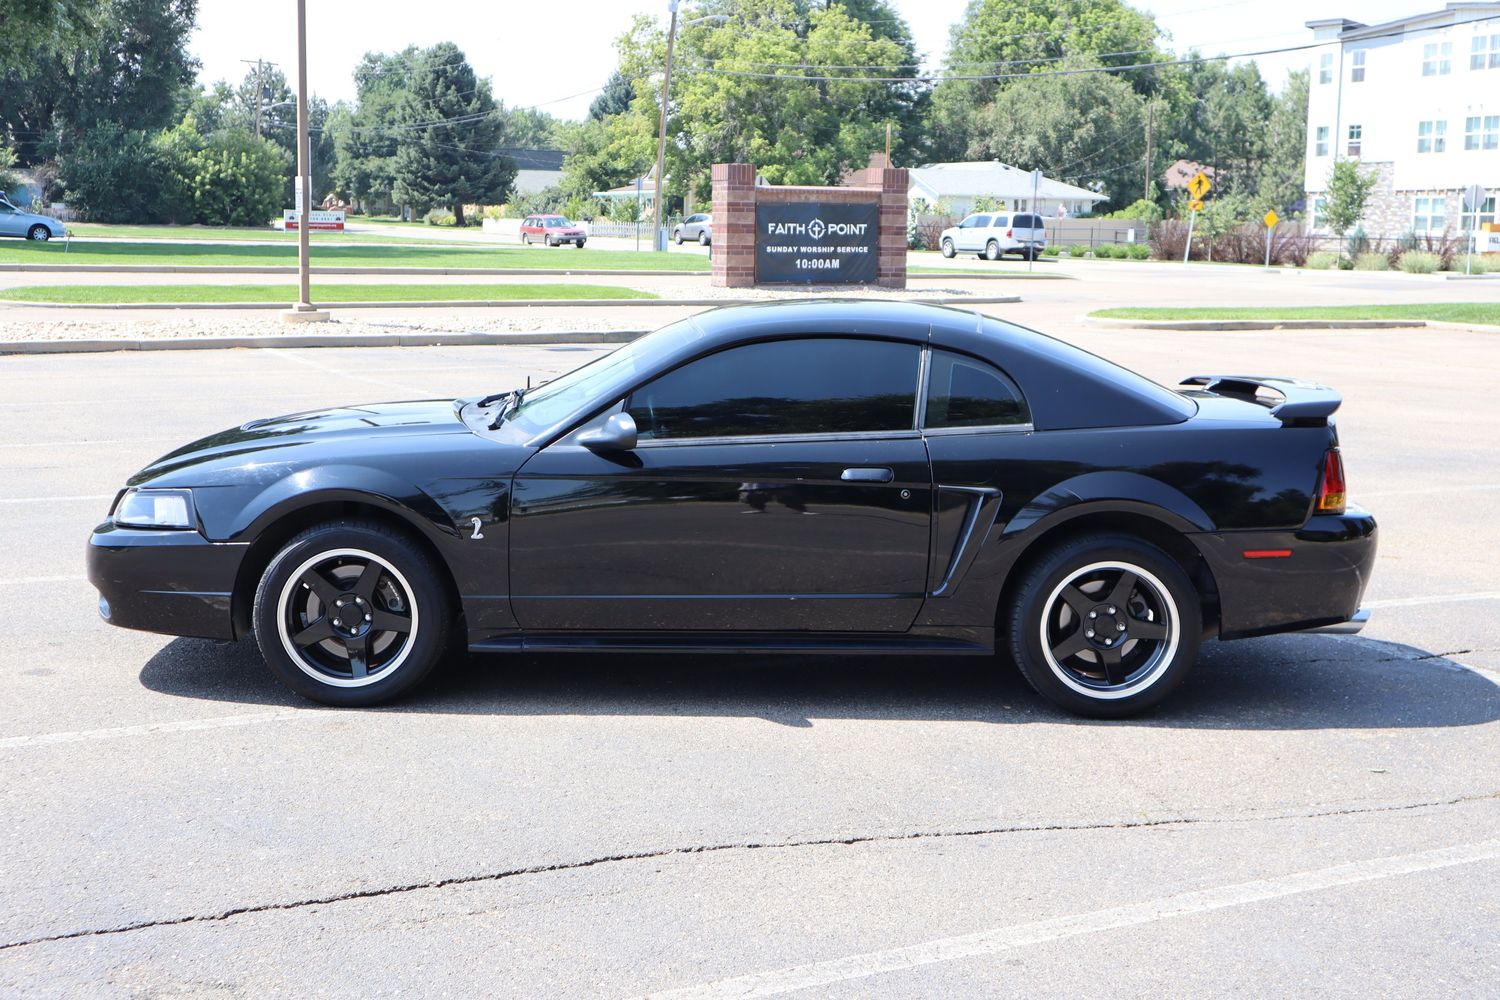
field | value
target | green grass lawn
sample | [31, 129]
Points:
[230, 234]
[348, 255]
[1450, 312]
[174, 294]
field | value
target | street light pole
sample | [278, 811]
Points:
[302, 310]
[661, 134]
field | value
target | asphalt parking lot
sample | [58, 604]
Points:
[1310, 815]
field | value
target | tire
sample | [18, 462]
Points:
[39, 233]
[948, 249]
[992, 251]
[677, 235]
[703, 239]
[311, 651]
[550, 243]
[525, 240]
[1077, 585]
[580, 244]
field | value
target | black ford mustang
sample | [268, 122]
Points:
[849, 477]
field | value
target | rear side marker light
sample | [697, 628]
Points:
[1267, 553]
[1331, 486]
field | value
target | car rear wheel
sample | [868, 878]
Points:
[351, 613]
[1104, 626]
[39, 232]
[525, 240]
[992, 251]
[949, 250]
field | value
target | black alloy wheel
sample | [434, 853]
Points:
[1105, 625]
[351, 613]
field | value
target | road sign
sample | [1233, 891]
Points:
[1196, 204]
[1474, 198]
[1270, 219]
[1200, 185]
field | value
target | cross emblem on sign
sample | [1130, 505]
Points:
[815, 228]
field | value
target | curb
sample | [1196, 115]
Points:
[484, 303]
[1257, 324]
[319, 340]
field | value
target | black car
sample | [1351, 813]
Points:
[852, 477]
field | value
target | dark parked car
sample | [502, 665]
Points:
[849, 477]
[553, 230]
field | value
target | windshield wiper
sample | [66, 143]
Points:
[511, 399]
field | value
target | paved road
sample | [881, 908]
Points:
[1309, 816]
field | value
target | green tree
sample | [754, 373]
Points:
[1218, 116]
[1281, 184]
[113, 174]
[1003, 37]
[447, 153]
[365, 139]
[1347, 194]
[235, 179]
[28, 27]
[130, 67]
[614, 99]
[1086, 129]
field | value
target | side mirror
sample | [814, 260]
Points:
[617, 433]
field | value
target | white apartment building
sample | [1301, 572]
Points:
[1418, 101]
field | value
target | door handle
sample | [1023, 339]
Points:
[867, 475]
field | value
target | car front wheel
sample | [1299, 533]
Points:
[579, 244]
[1104, 625]
[703, 239]
[351, 613]
[40, 233]
[949, 250]
[677, 236]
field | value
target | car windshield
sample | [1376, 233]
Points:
[599, 381]
[558, 222]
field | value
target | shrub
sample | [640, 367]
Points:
[1107, 251]
[1142, 209]
[1372, 262]
[1078, 250]
[1320, 261]
[1419, 262]
[440, 217]
[117, 175]
[235, 178]
[1051, 251]
[1137, 251]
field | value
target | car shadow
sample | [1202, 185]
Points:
[1274, 683]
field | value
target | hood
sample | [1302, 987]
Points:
[345, 431]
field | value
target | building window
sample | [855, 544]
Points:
[1437, 58]
[1357, 71]
[1472, 220]
[1325, 68]
[1320, 212]
[1485, 52]
[1482, 133]
[1356, 136]
[1432, 137]
[1428, 215]
[1322, 146]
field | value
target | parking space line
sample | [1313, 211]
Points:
[73, 499]
[153, 728]
[78, 444]
[1408, 602]
[41, 579]
[999, 939]
[281, 352]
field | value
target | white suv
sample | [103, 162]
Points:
[991, 235]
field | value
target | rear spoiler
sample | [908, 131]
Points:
[1301, 402]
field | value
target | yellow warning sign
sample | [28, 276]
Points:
[1200, 185]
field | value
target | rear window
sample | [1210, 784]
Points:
[1027, 222]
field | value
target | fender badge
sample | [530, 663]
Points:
[477, 535]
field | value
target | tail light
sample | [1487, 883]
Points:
[1010, 234]
[1331, 488]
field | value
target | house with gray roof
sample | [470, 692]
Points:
[961, 184]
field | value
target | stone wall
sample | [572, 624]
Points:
[735, 195]
[1388, 214]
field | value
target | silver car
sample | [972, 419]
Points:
[698, 227]
[14, 222]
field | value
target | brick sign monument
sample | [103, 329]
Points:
[851, 235]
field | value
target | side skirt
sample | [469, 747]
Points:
[968, 644]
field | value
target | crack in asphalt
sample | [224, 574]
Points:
[564, 866]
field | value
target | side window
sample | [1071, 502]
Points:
[981, 222]
[964, 392]
[813, 386]
[969, 223]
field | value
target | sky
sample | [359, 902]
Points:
[556, 55]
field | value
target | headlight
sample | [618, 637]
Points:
[155, 509]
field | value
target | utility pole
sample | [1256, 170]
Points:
[260, 68]
[1150, 115]
[661, 135]
[302, 310]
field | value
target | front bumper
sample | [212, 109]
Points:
[1318, 586]
[575, 238]
[175, 582]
